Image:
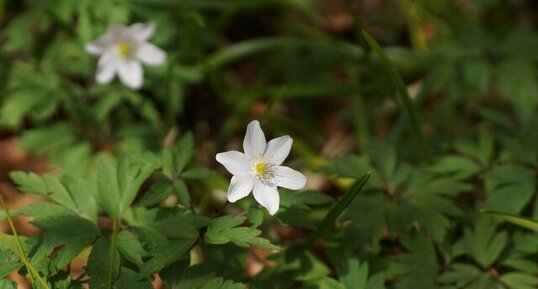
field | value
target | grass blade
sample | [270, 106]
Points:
[337, 209]
[405, 98]
[516, 220]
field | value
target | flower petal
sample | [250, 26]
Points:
[288, 178]
[254, 143]
[105, 73]
[267, 196]
[97, 47]
[131, 74]
[240, 187]
[278, 149]
[150, 54]
[235, 162]
[103, 43]
[106, 68]
[141, 31]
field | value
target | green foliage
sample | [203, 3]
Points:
[225, 229]
[418, 191]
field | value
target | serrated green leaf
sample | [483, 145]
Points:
[165, 255]
[59, 229]
[157, 193]
[483, 242]
[128, 280]
[9, 262]
[225, 229]
[255, 216]
[99, 267]
[354, 275]
[118, 182]
[130, 247]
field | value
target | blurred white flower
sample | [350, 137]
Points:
[259, 168]
[122, 50]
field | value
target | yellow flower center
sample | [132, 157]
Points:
[261, 168]
[125, 48]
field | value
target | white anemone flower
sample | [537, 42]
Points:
[122, 50]
[259, 168]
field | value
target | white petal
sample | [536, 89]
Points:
[105, 73]
[278, 149]
[267, 196]
[254, 143]
[141, 31]
[131, 74]
[235, 162]
[101, 45]
[240, 187]
[288, 178]
[150, 54]
[97, 47]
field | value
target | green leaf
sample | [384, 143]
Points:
[516, 220]
[68, 253]
[211, 283]
[128, 280]
[118, 182]
[255, 216]
[340, 205]
[354, 275]
[7, 284]
[165, 255]
[483, 242]
[457, 166]
[40, 209]
[225, 229]
[158, 192]
[182, 193]
[175, 159]
[130, 247]
[197, 173]
[9, 262]
[99, 267]
[63, 229]
[74, 195]
[517, 280]
[419, 265]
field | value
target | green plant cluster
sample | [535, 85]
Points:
[441, 127]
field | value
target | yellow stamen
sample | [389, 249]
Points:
[261, 168]
[125, 48]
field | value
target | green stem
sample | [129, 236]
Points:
[112, 251]
[20, 250]
[418, 39]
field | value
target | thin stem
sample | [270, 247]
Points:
[112, 251]
[405, 98]
[418, 39]
[20, 250]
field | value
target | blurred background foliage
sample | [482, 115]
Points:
[304, 68]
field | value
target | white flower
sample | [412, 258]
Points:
[259, 168]
[122, 50]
